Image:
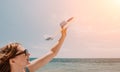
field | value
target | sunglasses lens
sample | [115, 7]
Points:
[26, 52]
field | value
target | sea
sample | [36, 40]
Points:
[82, 65]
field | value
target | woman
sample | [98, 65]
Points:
[15, 58]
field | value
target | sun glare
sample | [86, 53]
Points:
[116, 3]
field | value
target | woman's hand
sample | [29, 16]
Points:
[64, 26]
[63, 31]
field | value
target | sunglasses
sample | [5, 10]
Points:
[23, 52]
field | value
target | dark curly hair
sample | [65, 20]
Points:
[7, 52]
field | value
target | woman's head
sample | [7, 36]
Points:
[12, 55]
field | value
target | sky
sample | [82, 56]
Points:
[94, 33]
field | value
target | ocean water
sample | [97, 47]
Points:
[82, 65]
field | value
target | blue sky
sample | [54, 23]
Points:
[94, 33]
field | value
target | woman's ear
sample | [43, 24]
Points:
[12, 61]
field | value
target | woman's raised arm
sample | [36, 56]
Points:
[38, 63]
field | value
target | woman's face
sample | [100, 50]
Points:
[23, 58]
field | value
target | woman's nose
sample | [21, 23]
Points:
[28, 54]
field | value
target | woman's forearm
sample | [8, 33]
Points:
[57, 46]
